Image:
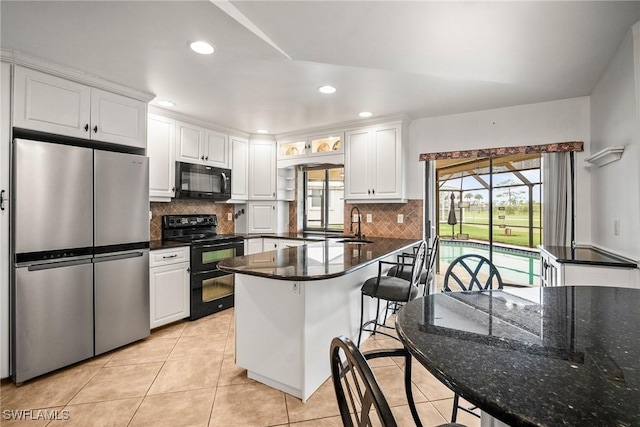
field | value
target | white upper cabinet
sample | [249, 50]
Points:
[117, 119]
[195, 144]
[216, 149]
[52, 104]
[373, 163]
[189, 142]
[262, 169]
[160, 150]
[239, 168]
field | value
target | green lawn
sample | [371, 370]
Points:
[519, 235]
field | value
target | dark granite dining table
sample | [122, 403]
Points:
[559, 356]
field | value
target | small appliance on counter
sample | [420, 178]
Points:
[202, 182]
[211, 289]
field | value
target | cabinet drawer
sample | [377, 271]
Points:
[169, 256]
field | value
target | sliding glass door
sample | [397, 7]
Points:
[492, 207]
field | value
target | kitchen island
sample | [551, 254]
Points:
[290, 303]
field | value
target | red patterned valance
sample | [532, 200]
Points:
[505, 151]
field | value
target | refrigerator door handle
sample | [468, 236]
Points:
[117, 257]
[48, 266]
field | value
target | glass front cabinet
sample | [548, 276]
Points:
[298, 150]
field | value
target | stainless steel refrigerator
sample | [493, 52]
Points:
[81, 270]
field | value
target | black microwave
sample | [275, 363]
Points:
[202, 182]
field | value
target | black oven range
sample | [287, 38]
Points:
[211, 289]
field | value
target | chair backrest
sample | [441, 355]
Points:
[471, 271]
[433, 253]
[357, 391]
[418, 263]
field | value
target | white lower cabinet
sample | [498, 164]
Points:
[557, 273]
[252, 246]
[169, 285]
[269, 244]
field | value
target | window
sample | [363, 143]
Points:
[324, 199]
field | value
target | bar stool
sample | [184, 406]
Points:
[391, 289]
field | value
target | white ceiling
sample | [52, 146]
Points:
[420, 58]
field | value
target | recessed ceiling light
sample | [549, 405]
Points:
[262, 131]
[202, 48]
[165, 103]
[366, 114]
[327, 89]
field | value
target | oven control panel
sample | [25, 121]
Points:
[184, 221]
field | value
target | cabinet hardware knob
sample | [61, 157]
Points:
[173, 189]
[373, 192]
[206, 158]
[86, 127]
[368, 191]
[188, 270]
[2, 200]
[201, 157]
[95, 129]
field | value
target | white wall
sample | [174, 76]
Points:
[557, 121]
[615, 193]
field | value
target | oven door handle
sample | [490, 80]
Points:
[222, 246]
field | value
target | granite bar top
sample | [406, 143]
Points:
[553, 356]
[315, 261]
[588, 256]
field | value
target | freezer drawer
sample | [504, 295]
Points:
[121, 299]
[121, 198]
[54, 317]
[53, 190]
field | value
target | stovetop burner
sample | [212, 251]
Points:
[193, 228]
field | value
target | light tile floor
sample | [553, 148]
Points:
[184, 375]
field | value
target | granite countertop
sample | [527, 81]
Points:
[315, 261]
[588, 256]
[534, 357]
[166, 244]
[297, 236]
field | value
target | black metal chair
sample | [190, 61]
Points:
[357, 391]
[471, 271]
[427, 276]
[466, 273]
[390, 289]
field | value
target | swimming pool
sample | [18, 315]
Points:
[517, 266]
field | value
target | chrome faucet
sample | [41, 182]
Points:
[359, 232]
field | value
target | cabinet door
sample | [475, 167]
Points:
[189, 140]
[169, 293]
[262, 217]
[357, 165]
[270, 244]
[386, 177]
[253, 246]
[160, 149]
[287, 150]
[216, 149]
[239, 168]
[320, 145]
[50, 104]
[118, 119]
[262, 170]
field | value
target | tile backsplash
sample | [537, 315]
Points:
[384, 219]
[178, 207]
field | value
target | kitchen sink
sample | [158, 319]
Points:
[355, 241]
